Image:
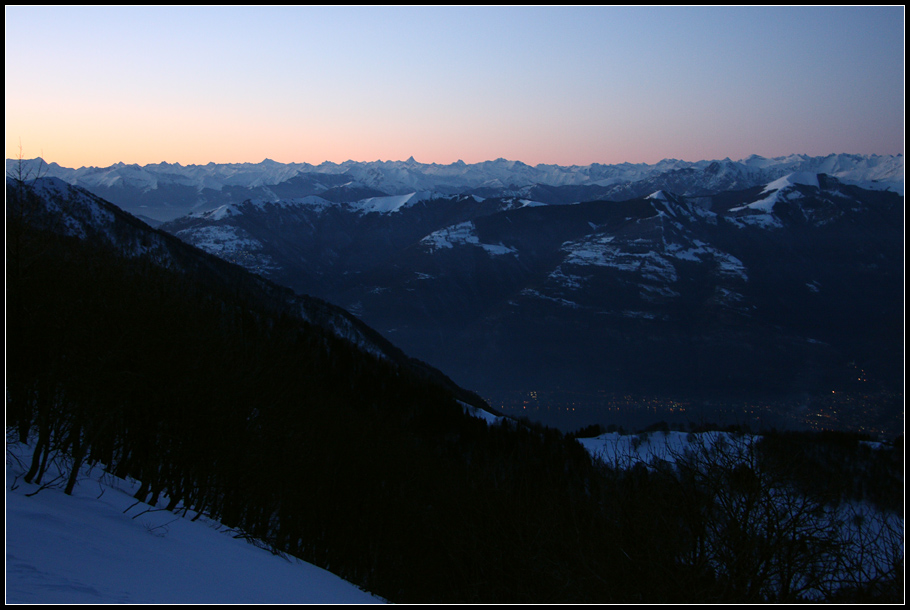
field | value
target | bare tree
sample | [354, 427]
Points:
[748, 526]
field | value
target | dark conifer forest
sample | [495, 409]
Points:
[222, 400]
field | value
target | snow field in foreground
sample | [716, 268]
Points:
[100, 546]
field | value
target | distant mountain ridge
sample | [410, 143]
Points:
[164, 191]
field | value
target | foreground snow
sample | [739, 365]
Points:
[625, 450]
[97, 547]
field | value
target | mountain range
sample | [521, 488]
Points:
[164, 191]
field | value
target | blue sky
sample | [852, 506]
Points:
[97, 85]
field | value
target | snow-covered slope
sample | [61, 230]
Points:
[626, 450]
[464, 233]
[99, 546]
[392, 203]
[70, 210]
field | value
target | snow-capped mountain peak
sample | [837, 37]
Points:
[657, 196]
[806, 178]
[393, 203]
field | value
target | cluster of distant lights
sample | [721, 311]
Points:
[825, 419]
[533, 402]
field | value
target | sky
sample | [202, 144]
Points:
[92, 86]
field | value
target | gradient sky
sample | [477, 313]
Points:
[97, 85]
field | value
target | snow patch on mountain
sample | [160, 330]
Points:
[761, 213]
[73, 211]
[568, 280]
[725, 296]
[727, 265]
[232, 244]
[643, 315]
[651, 261]
[219, 213]
[601, 251]
[219, 239]
[657, 293]
[746, 216]
[76, 210]
[393, 203]
[530, 292]
[657, 196]
[464, 233]
[313, 202]
[809, 179]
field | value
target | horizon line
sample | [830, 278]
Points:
[411, 159]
